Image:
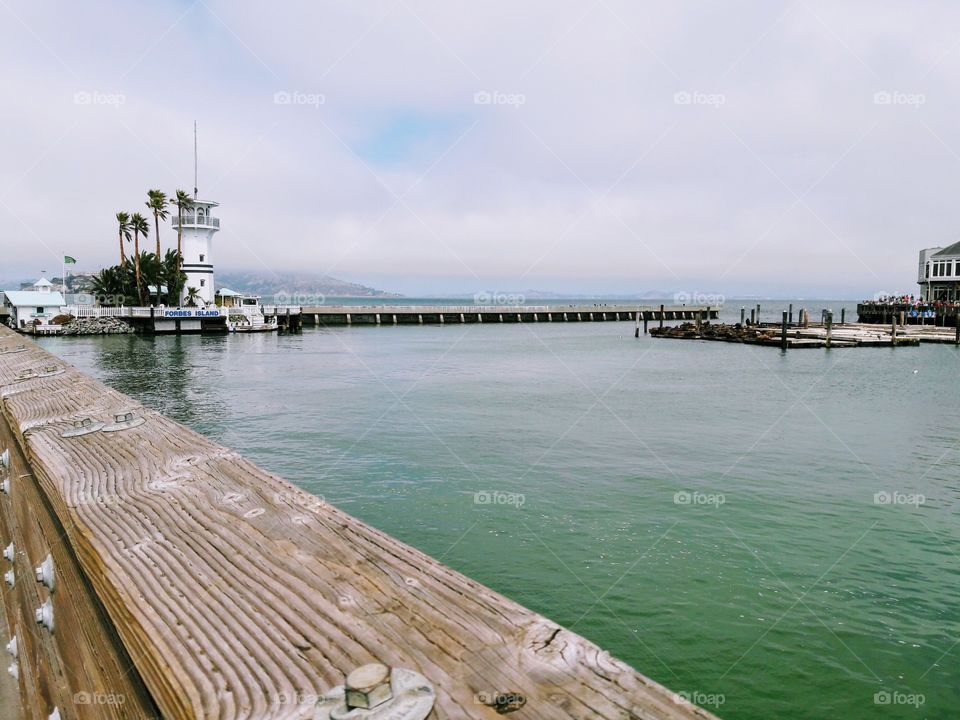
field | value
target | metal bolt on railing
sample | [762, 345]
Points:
[377, 692]
[368, 686]
[44, 572]
[44, 615]
[84, 426]
[123, 421]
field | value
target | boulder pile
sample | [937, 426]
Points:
[95, 326]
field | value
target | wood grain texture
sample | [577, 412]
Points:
[238, 595]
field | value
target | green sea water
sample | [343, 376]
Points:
[774, 535]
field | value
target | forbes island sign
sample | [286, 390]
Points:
[191, 313]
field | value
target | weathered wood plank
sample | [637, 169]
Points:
[238, 595]
[70, 668]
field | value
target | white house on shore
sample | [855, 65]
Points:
[33, 308]
[939, 274]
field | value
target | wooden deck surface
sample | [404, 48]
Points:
[237, 595]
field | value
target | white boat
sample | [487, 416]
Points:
[245, 312]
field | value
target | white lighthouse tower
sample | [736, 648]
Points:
[198, 228]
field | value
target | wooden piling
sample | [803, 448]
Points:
[783, 332]
[829, 327]
[743, 315]
[661, 317]
[758, 313]
[893, 332]
[843, 316]
[790, 318]
[753, 316]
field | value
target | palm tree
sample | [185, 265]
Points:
[123, 221]
[157, 203]
[138, 224]
[183, 201]
[193, 297]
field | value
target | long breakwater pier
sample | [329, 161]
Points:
[151, 573]
[452, 314]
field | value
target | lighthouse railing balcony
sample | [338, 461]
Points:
[193, 219]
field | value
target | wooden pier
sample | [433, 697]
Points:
[453, 314]
[152, 573]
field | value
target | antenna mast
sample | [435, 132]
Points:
[194, 159]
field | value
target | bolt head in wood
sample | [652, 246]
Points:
[368, 686]
[44, 572]
[12, 646]
[44, 615]
[8, 552]
[10, 578]
[5, 458]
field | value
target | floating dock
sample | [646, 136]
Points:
[151, 573]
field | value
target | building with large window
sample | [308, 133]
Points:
[939, 274]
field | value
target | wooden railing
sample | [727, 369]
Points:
[186, 582]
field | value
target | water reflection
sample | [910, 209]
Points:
[169, 374]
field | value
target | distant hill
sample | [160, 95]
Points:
[292, 283]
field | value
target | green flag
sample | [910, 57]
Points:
[67, 260]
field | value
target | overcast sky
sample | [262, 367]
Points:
[788, 148]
